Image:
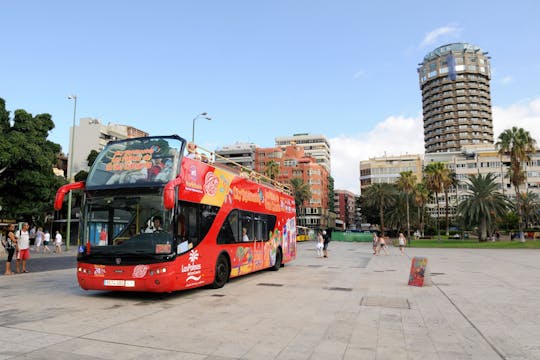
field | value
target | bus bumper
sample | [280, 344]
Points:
[158, 278]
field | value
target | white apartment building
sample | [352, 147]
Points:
[240, 153]
[90, 135]
[316, 146]
[386, 169]
[482, 159]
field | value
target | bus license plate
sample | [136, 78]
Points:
[115, 282]
[125, 283]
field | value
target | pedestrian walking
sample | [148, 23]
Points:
[10, 244]
[46, 241]
[402, 241]
[23, 243]
[326, 236]
[382, 245]
[39, 239]
[320, 243]
[58, 242]
[375, 244]
[32, 233]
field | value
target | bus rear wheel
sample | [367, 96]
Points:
[277, 265]
[222, 273]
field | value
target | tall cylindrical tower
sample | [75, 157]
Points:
[456, 99]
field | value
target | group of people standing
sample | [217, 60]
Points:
[17, 244]
[379, 244]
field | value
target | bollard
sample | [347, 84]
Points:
[419, 275]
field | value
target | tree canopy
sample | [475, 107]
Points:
[28, 184]
[482, 204]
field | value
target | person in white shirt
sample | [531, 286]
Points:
[46, 240]
[156, 227]
[23, 242]
[58, 242]
[245, 237]
[320, 244]
[39, 239]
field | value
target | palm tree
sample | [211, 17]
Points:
[272, 169]
[406, 183]
[421, 197]
[433, 177]
[518, 144]
[449, 180]
[394, 216]
[380, 195]
[302, 193]
[483, 203]
[530, 205]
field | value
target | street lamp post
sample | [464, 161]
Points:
[70, 171]
[205, 116]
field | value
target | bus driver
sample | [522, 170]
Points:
[156, 226]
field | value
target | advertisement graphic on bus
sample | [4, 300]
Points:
[154, 219]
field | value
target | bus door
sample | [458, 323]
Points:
[246, 251]
[260, 234]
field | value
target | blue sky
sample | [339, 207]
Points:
[262, 69]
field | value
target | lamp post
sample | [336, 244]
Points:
[203, 115]
[70, 171]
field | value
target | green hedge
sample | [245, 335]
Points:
[351, 236]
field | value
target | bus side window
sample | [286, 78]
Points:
[229, 232]
[247, 224]
[194, 222]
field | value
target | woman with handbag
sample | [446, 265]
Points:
[10, 244]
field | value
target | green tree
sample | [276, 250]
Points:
[406, 183]
[530, 206]
[369, 214]
[302, 193]
[433, 178]
[82, 175]
[421, 197]
[272, 170]
[28, 184]
[381, 196]
[395, 216]
[483, 203]
[331, 194]
[518, 144]
[449, 181]
[92, 157]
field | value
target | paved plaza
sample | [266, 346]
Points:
[483, 304]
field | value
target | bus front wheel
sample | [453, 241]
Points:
[222, 273]
[277, 265]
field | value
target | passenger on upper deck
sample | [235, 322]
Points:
[165, 174]
[192, 151]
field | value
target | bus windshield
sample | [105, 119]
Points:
[128, 224]
[139, 162]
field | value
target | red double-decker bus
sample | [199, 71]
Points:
[155, 219]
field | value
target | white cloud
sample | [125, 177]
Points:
[525, 114]
[395, 135]
[507, 80]
[360, 73]
[433, 36]
[398, 135]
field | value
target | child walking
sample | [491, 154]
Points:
[382, 245]
[320, 244]
[402, 241]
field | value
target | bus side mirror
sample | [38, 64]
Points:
[59, 199]
[169, 192]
